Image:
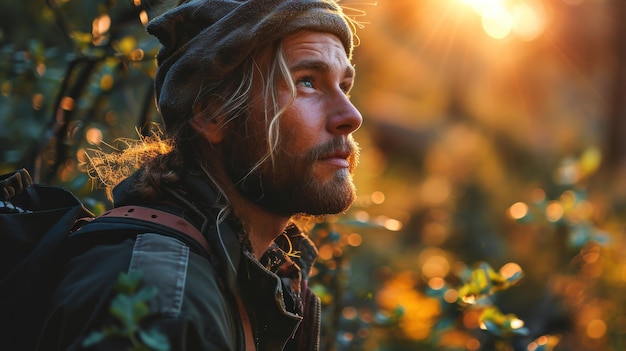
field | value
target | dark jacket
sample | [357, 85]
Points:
[195, 305]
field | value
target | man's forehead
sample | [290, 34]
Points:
[316, 51]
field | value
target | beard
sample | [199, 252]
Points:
[290, 185]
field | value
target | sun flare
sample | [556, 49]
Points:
[501, 19]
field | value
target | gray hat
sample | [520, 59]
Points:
[205, 40]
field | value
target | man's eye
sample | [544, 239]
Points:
[346, 88]
[306, 82]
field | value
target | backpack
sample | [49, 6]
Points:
[36, 222]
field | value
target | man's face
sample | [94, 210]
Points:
[316, 155]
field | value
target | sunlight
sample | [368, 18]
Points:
[497, 22]
[526, 20]
[480, 6]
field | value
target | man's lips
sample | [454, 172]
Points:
[337, 158]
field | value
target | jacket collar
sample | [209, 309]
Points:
[290, 258]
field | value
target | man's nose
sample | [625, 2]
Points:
[346, 117]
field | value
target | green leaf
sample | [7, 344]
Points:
[123, 308]
[146, 294]
[154, 339]
[94, 338]
[127, 283]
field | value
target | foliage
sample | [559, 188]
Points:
[81, 76]
[473, 150]
[129, 308]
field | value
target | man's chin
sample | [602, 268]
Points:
[310, 200]
[329, 201]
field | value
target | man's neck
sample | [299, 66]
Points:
[261, 225]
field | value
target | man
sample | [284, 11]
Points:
[254, 96]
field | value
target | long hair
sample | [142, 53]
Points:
[228, 101]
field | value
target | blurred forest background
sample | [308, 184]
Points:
[492, 184]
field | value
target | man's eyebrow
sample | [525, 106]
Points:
[320, 66]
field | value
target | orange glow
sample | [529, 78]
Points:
[591, 254]
[497, 22]
[481, 6]
[378, 197]
[554, 211]
[451, 296]
[421, 311]
[472, 344]
[67, 171]
[526, 20]
[436, 283]
[81, 155]
[435, 266]
[470, 319]
[362, 216]
[542, 340]
[349, 313]
[143, 17]
[435, 190]
[94, 136]
[518, 210]
[67, 103]
[510, 269]
[100, 25]
[392, 224]
[596, 329]
[354, 239]
[326, 252]
[37, 101]
[137, 55]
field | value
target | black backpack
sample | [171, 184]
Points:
[36, 222]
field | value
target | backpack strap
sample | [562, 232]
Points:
[166, 219]
[181, 225]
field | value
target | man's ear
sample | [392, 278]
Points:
[212, 130]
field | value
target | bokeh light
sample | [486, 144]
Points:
[518, 210]
[554, 211]
[38, 100]
[378, 197]
[528, 20]
[94, 136]
[68, 103]
[354, 239]
[435, 266]
[499, 18]
[596, 329]
[497, 22]
[510, 269]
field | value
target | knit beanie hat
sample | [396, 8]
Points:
[205, 40]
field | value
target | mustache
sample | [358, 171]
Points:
[338, 145]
